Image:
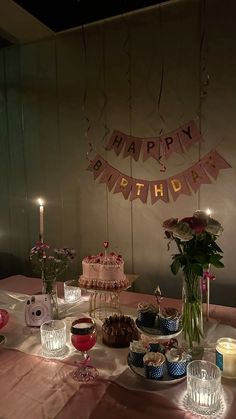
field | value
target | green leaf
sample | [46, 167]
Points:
[201, 258]
[175, 266]
[218, 264]
[216, 247]
[197, 269]
[215, 258]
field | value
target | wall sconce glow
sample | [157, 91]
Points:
[208, 212]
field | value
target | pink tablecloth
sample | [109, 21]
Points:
[33, 387]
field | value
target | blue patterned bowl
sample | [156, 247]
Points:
[136, 358]
[154, 372]
[154, 365]
[169, 325]
[177, 369]
[146, 319]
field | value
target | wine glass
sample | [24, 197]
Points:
[83, 338]
[4, 317]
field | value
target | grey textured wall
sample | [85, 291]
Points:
[110, 75]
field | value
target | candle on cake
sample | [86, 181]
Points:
[106, 245]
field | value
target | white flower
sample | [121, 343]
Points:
[214, 227]
[201, 214]
[183, 232]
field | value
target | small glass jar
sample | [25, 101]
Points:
[226, 357]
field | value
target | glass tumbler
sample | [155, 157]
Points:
[203, 387]
[53, 338]
[72, 292]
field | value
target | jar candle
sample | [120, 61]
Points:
[53, 338]
[72, 292]
[203, 387]
[226, 357]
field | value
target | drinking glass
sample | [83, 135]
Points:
[83, 338]
[4, 317]
[203, 387]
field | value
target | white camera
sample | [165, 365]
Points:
[38, 310]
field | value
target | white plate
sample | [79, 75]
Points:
[153, 331]
[166, 379]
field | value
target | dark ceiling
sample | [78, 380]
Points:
[60, 15]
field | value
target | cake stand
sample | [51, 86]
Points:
[105, 303]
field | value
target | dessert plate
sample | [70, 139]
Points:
[154, 331]
[166, 379]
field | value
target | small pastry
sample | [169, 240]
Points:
[169, 320]
[177, 361]
[137, 350]
[146, 314]
[154, 363]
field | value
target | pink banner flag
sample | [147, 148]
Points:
[196, 176]
[139, 190]
[159, 190]
[213, 163]
[109, 176]
[132, 147]
[151, 148]
[124, 185]
[178, 186]
[171, 143]
[97, 166]
[116, 142]
[189, 134]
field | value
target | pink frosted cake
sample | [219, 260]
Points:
[103, 271]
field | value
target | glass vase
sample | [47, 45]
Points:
[192, 318]
[49, 286]
[207, 276]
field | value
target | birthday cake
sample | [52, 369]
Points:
[103, 271]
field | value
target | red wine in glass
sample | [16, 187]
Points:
[83, 338]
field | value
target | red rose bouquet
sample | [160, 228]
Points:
[195, 238]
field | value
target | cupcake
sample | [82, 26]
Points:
[177, 360]
[137, 350]
[147, 314]
[169, 320]
[154, 363]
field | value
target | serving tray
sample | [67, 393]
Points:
[166, 379]
[156, 332]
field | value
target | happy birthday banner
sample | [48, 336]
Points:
[177, 141]
[175, 186]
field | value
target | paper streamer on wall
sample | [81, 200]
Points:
[185, 183]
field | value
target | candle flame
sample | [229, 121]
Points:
[208, 211]
[40, 201]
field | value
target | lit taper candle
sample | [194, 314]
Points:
[41, 219]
